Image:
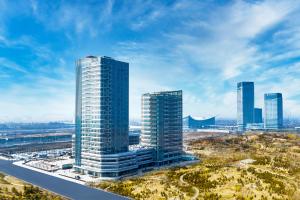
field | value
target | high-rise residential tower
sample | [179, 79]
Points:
[258, 115]
[273, 111]
[102, 117]
[245, 104]
[162, 125]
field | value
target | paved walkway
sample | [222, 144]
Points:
[196, 190]
[57, 185]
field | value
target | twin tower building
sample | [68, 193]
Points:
[102, 122]
[247, 114]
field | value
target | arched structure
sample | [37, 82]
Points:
[195, 123]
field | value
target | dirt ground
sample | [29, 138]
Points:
[12, 188]
[251, 166]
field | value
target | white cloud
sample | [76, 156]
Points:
[223, 50]
[146, 20]
[7, 64]
[227, 42]
[204, 53]
[246, 20]
[45, 99]
[81, 19]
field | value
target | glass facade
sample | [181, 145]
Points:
[102, 117]
[162, 125]
[245, 104]
[258, 115]
[134, 138]
[101, 142]
[273, 111]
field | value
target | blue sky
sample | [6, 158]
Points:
[201, 47]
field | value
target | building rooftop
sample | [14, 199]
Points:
[199, 118]
[174, 92]
[91, 56]
[273, 94]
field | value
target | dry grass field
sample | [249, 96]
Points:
[14, 189]
[252, 166]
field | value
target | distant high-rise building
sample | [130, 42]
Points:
[162, 125]
[273, 111]
[258, 115]
[101, 132]
[245, 104]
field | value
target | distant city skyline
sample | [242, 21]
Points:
[258, 116]
[245, 104]
[273, 113]
[201, 52]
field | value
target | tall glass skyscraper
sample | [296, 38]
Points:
[162, 125]
[258, 115]
[245, 104]
[102, 117]
[273, 111]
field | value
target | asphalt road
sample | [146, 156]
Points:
[60, 186]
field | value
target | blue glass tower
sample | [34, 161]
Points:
[273, 111]
[258, 115]
[245, 104]
[102, 118]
